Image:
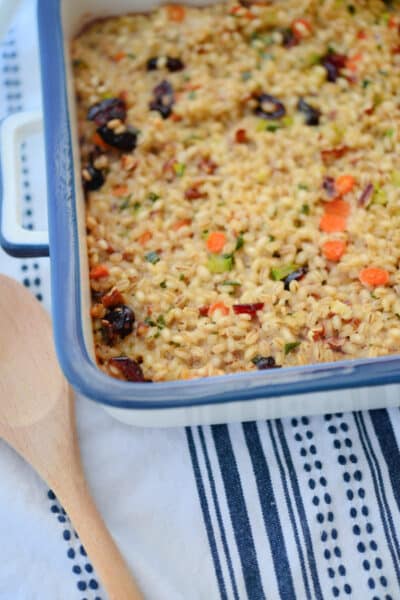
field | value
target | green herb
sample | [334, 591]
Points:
[136, 206]
[373, 296]
[149, 322]
[290, 347]
[175, 344]
[156, 335]
[246, 75]
[397, 315]
[331, 49]
[131, 55]
[179, 169]
[186, 77]
[204, 234]
[125, 203]
[303, 186]
[161, 322]
[181, 277]
[152, 257]
[365, 83]
[273, 127]
[382, 71]
[220, 263]
[314, 59]
[305, 209]
[153, 197]
[163, 284]
[192, 95]
[271, 238]
[279, 273]
[351, 9]
[287, 121]
[232, 283]
[389, 132]
[380, 196]
[239, 242]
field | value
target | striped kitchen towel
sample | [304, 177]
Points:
[304, 508]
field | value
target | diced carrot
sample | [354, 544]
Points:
[218, 306]
[362, 35]
[344, 184]
[337, 207]
[98, 141]
[241, 136]
[181, 223]
[203, 311]
[331, 223]
[301, 28]
[333, 250]
[145, 237]
[352, 62]
[216, 241]
[176, 13]
[98, 272]
[234, 10]
[113, 298]
[373, 276]
[392, 22]
[120, 191]
[119, 56]
[176, 118]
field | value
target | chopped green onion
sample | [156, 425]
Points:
[290, 347]
[125, 202]
[179, 169]
[305, 209]
[181, 277]
[380, 196]
[246, 75]
[136, 206]
[271, 238]
[152, 257]
[149, 322]
[389, 132]
[131, 55]
[220, 263]
[161, 322]
[303, 186]
[153, 197]
[232, 283]
[239, 242]
[396, 178]
[365, 83]
[163, 285]
[273, 127]
[192, 95]
[279, 273]
[351, 9]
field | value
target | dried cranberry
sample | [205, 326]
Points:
[125, 141]
[333, 64]
[269, 107]
[329, 156]
[248, 309]
[121, 319]
[151, 64]
[311, 113]
[164, 99]
[295, 276]
[112, 299]
[366, 195]
[96, 178]
[203, 311]
[106, 110]
[129, 368]
[289, 40]
[329, 186]
[174, 64]
[265, 362]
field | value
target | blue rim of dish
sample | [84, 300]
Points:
[77, 365]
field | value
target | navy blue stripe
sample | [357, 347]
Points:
[270, 512]
[300, 509]
[218, 512]
[389, 448]
[378, 487]
[206, 514]
[238, 512]
[290, 509]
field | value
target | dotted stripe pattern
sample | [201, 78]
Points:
[81, 567]
[322, 501]
[362, 527]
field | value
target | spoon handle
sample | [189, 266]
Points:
[98, 543]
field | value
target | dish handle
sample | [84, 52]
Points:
[15, 239]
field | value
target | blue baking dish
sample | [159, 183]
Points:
[245, 396]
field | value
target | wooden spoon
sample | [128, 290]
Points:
[37, 420]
